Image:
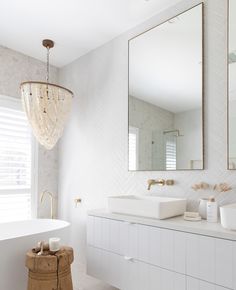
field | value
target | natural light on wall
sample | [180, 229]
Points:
[15, 162]
[170, 148]
[133, 148]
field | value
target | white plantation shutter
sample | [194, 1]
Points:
[15, 162]
[170, 142]
[133, 148]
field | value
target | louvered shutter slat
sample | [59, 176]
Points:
[15, 165]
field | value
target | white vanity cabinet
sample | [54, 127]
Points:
[133, 256]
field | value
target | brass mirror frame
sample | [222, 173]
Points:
[203, 90]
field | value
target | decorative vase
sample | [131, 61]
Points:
[203, 207]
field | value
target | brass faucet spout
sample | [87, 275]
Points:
[51, 199]
[160, 182]
[153, 181]
[150, 183]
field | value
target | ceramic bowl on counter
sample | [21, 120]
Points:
[228, 216]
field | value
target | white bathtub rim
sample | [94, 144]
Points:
[63, 224]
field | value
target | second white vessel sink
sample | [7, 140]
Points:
[147, 206]
[228, 216]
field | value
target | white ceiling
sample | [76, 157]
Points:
[166, 64]
[76, 26]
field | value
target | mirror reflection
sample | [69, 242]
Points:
[165, 95]
[232, 87]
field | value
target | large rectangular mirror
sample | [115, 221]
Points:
[166, 95]
[232, 86]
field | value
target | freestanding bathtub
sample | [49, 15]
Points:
[16, 238]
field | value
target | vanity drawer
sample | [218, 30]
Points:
[130, 274]
[159, 247]
[141, 276]
[195, 284]
[105, 266]
[161, 279]
[200, 257]
[111, 235]
[162, 247]
[210, 259]
[225, 263]
[119, 271]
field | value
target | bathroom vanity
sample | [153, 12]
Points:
[134, 253]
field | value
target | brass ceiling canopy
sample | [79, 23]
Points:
[48, 43]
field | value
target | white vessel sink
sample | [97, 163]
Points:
[147, 206]
[228, 216]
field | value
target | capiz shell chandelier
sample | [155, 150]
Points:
[47, 106]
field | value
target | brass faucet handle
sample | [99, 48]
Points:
[77, 200]
[161, 182]
[170, 182]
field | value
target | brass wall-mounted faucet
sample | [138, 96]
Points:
[160, 182]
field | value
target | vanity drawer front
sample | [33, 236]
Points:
[195, 284]
[111, 235]
[210, 259]
[161, 247]
[90, 230]
[128, 239]
[161, 279]
[130, 274]
[200, 258]
[224, 264]
[149, 245]
[105, 266]
[171, 280]
[99, 232]
[119, 271]
[141, 276]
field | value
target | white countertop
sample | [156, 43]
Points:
[177, 223]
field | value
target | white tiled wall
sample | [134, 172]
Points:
[151, 121]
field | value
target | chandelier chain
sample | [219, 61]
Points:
[48, 51]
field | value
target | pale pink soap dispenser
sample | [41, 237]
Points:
[212, 210]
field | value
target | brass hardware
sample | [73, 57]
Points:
[160, 182]
[77, 201]
[48, 43]
[51, 199]
[51, 84]
[151, 182]
[170, 182]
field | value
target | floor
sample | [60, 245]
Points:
[81, 281]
